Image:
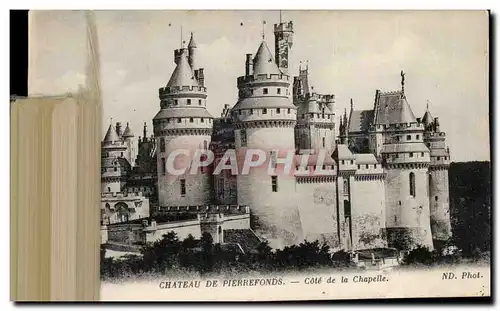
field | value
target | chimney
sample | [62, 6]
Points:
[436, 124]
[419, 120]
[248, 65]
[201, 77]
[118, 128]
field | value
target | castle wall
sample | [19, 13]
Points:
[439, 204]
[182, 228]
[119, 207]
[316, 203]
[407, 217]
[368, 211]
[275, 214]
[197, 186]
[126, 234]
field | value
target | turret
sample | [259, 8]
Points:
[183, 123]
[192, 48]
[264, 119]
[283, 41]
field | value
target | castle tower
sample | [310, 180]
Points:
[438, 179]
[182, 128]
[315, 127]
[406, 161]
[128, 138]
[283, 41]
[264, 119]
[113, 168]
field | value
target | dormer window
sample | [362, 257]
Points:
[265, 91]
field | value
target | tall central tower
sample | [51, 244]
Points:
[283, 41]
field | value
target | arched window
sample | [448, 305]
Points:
[162, 144]
[346, 187]
[412, 184]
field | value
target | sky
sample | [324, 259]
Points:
[350, 54]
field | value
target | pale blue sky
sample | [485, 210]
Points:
[350, 53]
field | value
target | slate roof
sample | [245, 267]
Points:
[263, 62]
[427, 118]
[392, 108]
[246, 239]
[184, 112]
[183, 73]
[111, 134]
[342, 152]
[127, 132]
[365, 158]
[360, 120]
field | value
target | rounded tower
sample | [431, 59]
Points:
[438, 179]
[113, 169]
[182, 128]
[128, 138]
[406, 161]
[264, 119]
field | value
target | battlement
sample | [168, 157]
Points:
[434, 134]
[283, 27]
[166, 91]
[208, 209]
[263, 77]
[324, 98]
[412, 126]
[118, 195]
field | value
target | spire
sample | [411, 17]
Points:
[110, 134]
[427, 119]
[263, 30]
[402, 82]
[352, 106]
[145, 131]
[263, 62]
[127, 132]
[183, 74]
[192, 43]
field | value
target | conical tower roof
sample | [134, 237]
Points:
[263, 62]
[427, 118]
[183, 74]
[111, 135]
[192, 43]
[393, 108]
[127, 132]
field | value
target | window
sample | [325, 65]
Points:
[199, 102]
[367, 166]
[397, 138]
[412, 184]
[243, 137]
[251, 111]
[265, 91]
[352, 161]
[359, 166]
[312, 115]
[183, 187]
[189, 101]
[278, 91]
[288, 110]
[421, 154]
[190, 120]
[273, 159]
[324, 142]
[436, 198]
[162, 145]
[239, 112]
[411, 154]
[121, 154]
[176, 102]
[116, 169]
[343, 162]
[278, 110]
[202, 120]
[418, 136]
[178, 120]
[109, 190]
[374, 165]
[274, 183]
[346, 187]
[264, 111]
[408, 137]
[399, 203]
[438, 158]
[163, 166]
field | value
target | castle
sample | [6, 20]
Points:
[389, 186]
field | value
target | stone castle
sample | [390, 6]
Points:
[390, 181]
